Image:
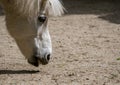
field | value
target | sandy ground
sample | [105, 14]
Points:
[86, 48]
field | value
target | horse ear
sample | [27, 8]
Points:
[55, 8]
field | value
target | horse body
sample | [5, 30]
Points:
[26, 21]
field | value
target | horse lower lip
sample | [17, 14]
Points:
[34, 62]
[43, 61]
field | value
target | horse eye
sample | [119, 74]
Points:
[42, 18]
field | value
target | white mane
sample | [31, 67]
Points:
[31, 7]
[57, 8]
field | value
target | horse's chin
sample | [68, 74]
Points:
[42, 62]
[34, 61]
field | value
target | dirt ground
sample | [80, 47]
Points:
[86, 48]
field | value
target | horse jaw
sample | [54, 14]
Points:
[23, 32]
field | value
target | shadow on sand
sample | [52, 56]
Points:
[18, 72]
[106, 9]
[1, 11]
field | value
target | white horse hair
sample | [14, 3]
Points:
[32, 7]
[26, 21]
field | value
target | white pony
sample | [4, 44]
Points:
[26, 21]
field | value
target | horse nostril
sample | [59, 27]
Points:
[45, 59]
[48, 57]
[42, 18]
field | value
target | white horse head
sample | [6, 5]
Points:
[26, 21]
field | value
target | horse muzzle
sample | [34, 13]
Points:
[36, 60]
[44, 60]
